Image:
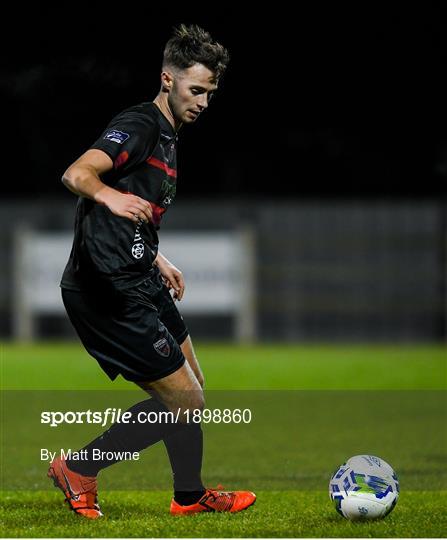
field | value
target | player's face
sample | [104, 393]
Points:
[190, 93]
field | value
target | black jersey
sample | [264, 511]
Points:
[113, 250]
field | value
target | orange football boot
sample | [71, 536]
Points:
[80, 491]
[216, 501]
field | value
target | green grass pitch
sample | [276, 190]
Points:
[312, 408]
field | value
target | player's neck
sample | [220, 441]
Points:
[161, 101]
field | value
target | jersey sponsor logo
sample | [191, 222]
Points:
[138, 251]
[116, 136]
[162, 347]
[167, 192]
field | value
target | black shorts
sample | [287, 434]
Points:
[136, 332]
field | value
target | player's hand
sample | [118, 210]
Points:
[172, 276]
[125, 205]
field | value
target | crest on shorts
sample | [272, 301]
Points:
[162, 347]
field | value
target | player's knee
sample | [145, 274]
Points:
[195, 401]
[199, 401]
[187, 414]
[188, 403]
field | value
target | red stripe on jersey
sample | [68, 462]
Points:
[161, 165]
[157, 212]
[121, 159]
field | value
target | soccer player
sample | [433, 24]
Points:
[116, 285]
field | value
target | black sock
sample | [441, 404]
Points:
[185, 451]
[125, 437]
[185, 498]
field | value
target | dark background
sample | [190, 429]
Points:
[333, 101]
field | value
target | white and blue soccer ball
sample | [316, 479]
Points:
[365, 487]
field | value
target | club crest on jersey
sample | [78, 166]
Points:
[137, 251]
[162, 347]
[116, 136]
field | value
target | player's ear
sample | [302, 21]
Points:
[167, 80]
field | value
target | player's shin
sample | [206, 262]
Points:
[124, 438]
[185, 451]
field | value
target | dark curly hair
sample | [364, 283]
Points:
[191, 45]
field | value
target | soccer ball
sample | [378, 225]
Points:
[365, 487]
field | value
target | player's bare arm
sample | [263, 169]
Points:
[83, 178]
[173, 277]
